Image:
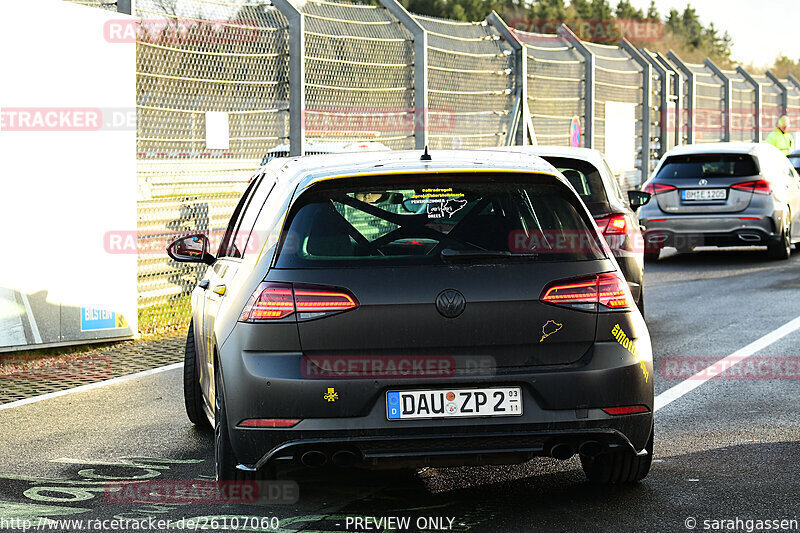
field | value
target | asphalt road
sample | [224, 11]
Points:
[726, 450]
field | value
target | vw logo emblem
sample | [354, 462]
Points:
[703, 182]
[450, 303]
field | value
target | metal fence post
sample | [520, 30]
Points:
[588, 94]
[420, 69]
[691, 105]
[678, 87]
[125, 6]
[297, 76]
[759, 100]
[647, 90]
[728, 97]
[664, 99]
[521, 124]
[784, 91]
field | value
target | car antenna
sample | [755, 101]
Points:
[425, 156]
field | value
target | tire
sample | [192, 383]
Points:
[619, 467]
[782, 248]
[224, 459]
[192, 393]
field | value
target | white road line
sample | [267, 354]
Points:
[688, 385]
[90, 386]
[34, 328]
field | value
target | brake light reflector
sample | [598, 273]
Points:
[757, 186]
[273, 301]
[613, 225]
[322, 300]
[627, 410]
[658, 188]
[269, 422]
[611, 291]
[270, 301]
[606, 290]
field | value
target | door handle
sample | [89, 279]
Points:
[219, 289]
[203, 284]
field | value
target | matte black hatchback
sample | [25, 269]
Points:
[388, 309]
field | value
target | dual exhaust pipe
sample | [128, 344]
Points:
[340, 458]
[589, 448]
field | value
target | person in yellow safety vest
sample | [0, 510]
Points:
[779, 137]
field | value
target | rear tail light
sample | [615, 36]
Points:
[270, 301]
[658, 188]
[757, 186]
[273, 301]
[322, 300]
[604, 292]
[613, 225]
[627, 410]
[269, 422]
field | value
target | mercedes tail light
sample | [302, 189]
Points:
[604, 292]
[274, 301]
[756, 186]
[658, 188]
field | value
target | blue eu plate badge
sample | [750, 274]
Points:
[393, 405]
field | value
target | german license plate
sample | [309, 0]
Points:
[453, 403]
[704, 194]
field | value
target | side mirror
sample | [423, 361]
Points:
[638, 198]
[191, 249]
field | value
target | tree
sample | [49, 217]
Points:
[625, 10]
[652, 11]
[784, 66]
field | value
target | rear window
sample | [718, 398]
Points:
[795, 159]
[708, 166]
[413, 221]
[586, 179]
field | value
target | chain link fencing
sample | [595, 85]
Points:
[743, 107]
[200, 61]
[792, 104]
[556, 86]
[196, 57]
[470, 84]
[771, 102]
[359, 74]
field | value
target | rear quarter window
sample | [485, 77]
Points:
[410, 221]
[586, 179]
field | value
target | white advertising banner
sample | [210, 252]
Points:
[68, 175]
[620, 136]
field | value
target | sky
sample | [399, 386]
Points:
[761, 29]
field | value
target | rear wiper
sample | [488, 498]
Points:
[448, 254]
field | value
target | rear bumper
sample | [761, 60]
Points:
[561, 405]
[692, 231]
[435, 445]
